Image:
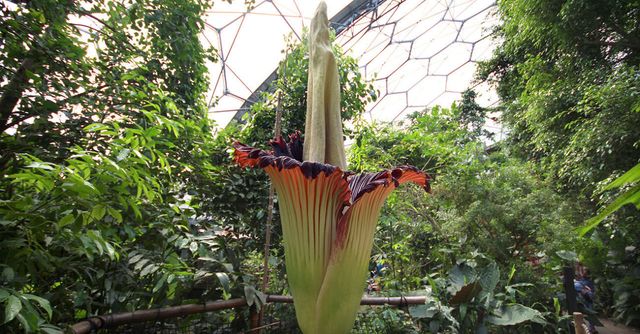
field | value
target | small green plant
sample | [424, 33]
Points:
[384, 320]
[468, 300]
[31, 311]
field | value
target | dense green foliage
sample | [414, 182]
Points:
[116, 196]
[570, 87]
[113, 186]
[105, 161]
[569, 78]
[486, 210]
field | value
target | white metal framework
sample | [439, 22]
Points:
[417, 53]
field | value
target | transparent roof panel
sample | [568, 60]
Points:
[249, 44]
[417, 53]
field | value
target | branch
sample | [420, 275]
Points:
[18, 84]
[13, 91]
[611, 43]
[87, 13]
[59, 104]
[114, 30]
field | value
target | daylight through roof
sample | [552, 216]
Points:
[417, 53]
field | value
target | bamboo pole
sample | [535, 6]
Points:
[277, 130]
[270, 208]
[114, 320]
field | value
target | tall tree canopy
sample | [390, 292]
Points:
[568, 75]
[105, 146]
[113, 185]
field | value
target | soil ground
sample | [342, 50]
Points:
[612, 328]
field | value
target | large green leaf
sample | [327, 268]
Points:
[224, 280]
[419, 311]
[254, 297]
[466, 293]
[460, 276]
[160, 283]
[41, 165]
[7, 223]
[42, 302]
[29, 320]
[631, 196]
[568, 255]
[66, 220]
[631, 176]
[11, 308]
[7, 275]
[489, 278]
[514, 314]
[98, 211]
[148, 270]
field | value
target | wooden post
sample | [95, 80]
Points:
[254, 318]
[570, 292]
[578, 319]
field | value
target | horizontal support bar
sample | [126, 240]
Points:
[114, 320]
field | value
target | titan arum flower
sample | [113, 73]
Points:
[328, 215]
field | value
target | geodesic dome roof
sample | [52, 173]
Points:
[417, 53]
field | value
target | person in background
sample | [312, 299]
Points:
[375, 272]
[585, 293]
[585, 288]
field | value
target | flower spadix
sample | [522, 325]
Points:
[328, 215]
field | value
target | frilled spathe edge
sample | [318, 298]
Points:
[288, 155]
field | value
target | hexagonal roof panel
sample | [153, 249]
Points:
[417, 53]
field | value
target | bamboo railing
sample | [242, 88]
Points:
[113, 320]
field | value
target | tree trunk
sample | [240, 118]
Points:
[13, 91]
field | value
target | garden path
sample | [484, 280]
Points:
[612, 328]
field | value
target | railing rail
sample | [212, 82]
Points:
[117, 319]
